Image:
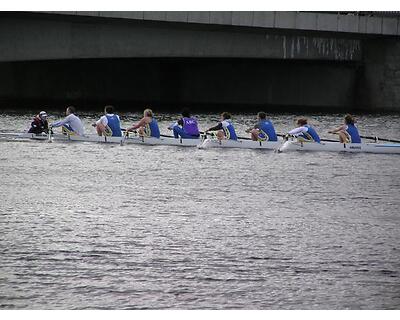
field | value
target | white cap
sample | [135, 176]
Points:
[42, 114]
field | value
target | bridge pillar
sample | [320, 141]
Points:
[380, 85]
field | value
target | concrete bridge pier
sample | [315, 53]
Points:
[379, 87]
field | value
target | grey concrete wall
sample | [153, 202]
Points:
[380, 85]
[33, 37]
[312, 21]
[282, 68]
[168, 84]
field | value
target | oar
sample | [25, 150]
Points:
[124, 130]
[326, 140]
[381, 139]
[279, 135]
[124, 136]
[200, 132]
[377, 139]
[166, 136]
[49, 132]
[241, 138]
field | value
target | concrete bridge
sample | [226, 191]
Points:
[260, 59]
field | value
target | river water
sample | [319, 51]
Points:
[89, 226]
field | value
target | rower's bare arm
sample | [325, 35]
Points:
[141, 123]
[336, 130]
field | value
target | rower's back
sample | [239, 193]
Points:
[266, 127]
[114, 123]
[314, 135]
[227, 126]
[351, 129]
[152, 129]
[190, 126]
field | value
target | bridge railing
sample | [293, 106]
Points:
[362, 13]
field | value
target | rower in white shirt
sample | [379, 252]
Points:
[71, 124]
[305, 132]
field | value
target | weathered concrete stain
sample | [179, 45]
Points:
[301, 47]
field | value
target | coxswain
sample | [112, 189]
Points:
[305, 132]
[186, 127]
[348, 132]
[264, 130]
[71, 124]
[147, 126]
[224, 128]
[39, 124]
[109, 124]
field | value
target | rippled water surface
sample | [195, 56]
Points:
[106, 226]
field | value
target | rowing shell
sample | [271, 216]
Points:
[214, 143]
[241, 144]
[340, 147]
[170, 141]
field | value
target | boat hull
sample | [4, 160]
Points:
[341, 147]
[287, 146]
[170, 141]
[239, 144]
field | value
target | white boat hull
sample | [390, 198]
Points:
[340, 147]
[390, 148]
[240, 144]
[170, 141]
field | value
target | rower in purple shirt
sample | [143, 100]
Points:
[186, 127]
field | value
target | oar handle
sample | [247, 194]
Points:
[209, 133]
[166, 136]
[322, 139]
[381, 139]
[375, 138]
[126, 132]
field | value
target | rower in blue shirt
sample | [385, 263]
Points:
[147, 126]
[264, 130]
[305, 133]
[348, 132]
[109, 124]
[224, 128]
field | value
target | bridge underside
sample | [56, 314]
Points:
[27, 36]
[91, 61]
[170, 84]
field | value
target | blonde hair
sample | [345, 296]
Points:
[148, 113]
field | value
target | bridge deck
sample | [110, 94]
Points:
[388, 25]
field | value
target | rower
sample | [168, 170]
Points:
[305, 133]
[109, 124]
[71, 124]
[39, 124]
[348, 132]
[224, 128]
[148, 126]
[264, 130]
[186, 127]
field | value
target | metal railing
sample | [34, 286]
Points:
[387, 14]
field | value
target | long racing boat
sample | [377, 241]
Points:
[340, 147]
[207, 143]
